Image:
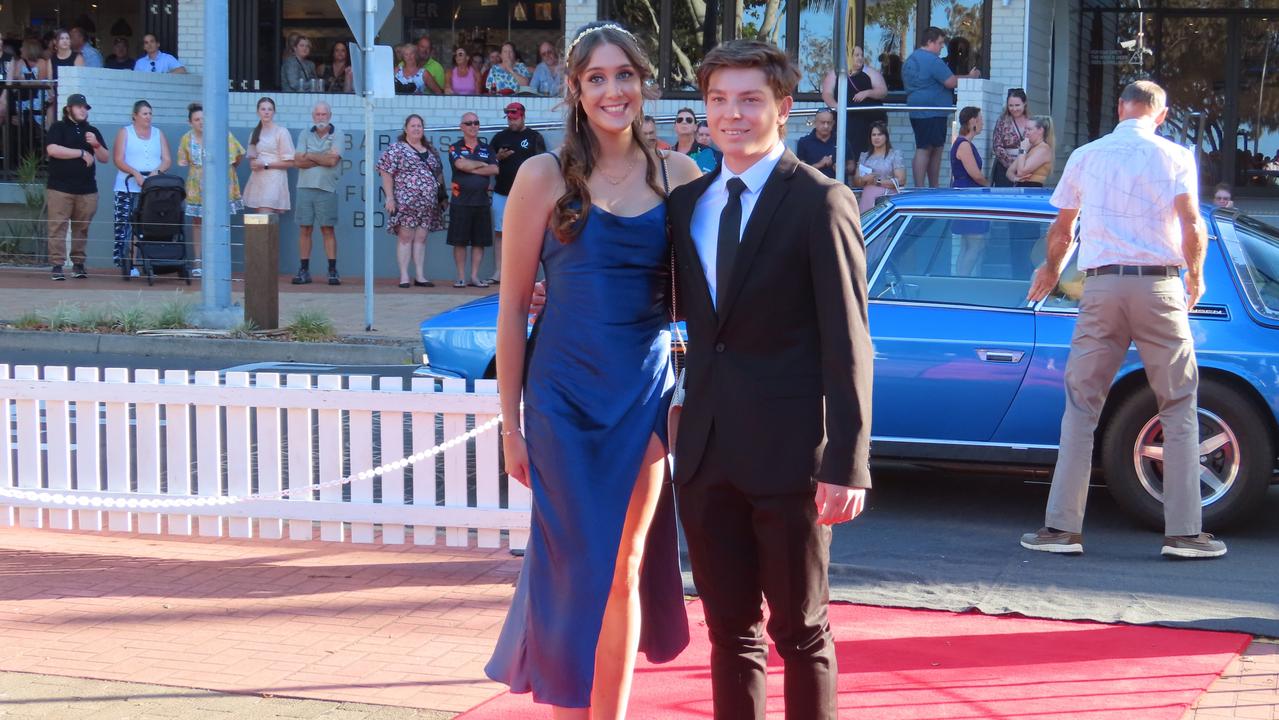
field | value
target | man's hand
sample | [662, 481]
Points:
[1043, 283]
[538, 302]
[87, 157]
[974, 73]
[92, 139]
[837, 504]
[1194, 289]
[504, 153]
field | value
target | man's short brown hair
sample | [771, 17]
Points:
[782, 76]
[1145, 92]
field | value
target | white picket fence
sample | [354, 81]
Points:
[164, 437]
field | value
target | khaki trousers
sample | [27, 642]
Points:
[1117, 310]
[64, 209]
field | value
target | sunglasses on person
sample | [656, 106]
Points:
[470, 122]
[685, 119]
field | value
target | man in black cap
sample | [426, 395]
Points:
[513, 146]
[73, 147]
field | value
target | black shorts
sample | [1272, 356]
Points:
[470, 226]
[929, 132]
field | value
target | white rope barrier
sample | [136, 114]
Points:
[45, 497]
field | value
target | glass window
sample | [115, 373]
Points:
[889, 36]
[641, 18]
[1254, 252]
[1070, 287]
[816, 44]
[962, 261]
[880, 238]
[763, 20]
[963, 22]
[694, 31]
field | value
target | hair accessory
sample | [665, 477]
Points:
[597, 28]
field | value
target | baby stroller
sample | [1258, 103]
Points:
[156, 240]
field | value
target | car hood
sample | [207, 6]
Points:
[479, 313]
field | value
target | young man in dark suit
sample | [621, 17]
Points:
[773, 443]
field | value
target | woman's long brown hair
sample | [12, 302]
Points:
[578, 154]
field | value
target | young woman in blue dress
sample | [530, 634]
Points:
[601, 573]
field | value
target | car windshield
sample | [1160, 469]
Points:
[1254, 251]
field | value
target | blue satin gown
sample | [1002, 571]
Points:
[597, 387]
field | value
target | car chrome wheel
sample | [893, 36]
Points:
[1219, 458]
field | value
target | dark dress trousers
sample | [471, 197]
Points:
[778, 399]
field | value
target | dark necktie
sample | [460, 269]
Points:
[730, 228]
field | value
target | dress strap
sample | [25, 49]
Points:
[666, 177]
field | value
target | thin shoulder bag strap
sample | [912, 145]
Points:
[679, 336]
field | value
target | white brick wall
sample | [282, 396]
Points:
[191, 34]
[576, 14]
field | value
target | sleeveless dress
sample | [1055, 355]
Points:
[597, 387]
[961, 179]
[859, 122]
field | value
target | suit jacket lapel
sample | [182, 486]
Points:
[770, 198]
[682, 217]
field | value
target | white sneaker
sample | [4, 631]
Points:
[197, 273]
[133, 272]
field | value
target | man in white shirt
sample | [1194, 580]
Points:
[156, 60]
[1136, 196]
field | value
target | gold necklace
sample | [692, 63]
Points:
[617, 181]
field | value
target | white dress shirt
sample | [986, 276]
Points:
[1124, 185]
[705, 224]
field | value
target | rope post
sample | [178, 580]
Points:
[262, 270]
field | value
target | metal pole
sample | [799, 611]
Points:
[841, 88]
[215, 288]
[370, 14]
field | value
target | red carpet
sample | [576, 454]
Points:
[899, 664]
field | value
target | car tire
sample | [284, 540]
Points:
[1244, 464]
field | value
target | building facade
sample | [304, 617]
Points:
[1216, 57]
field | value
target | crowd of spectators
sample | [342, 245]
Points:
[468, 69]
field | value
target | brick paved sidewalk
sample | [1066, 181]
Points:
[379, 624]
[356, 625]
[51, 697]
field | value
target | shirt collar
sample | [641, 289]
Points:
[1137, 124]
[756, 175]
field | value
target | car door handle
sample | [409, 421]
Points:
[1000, 356]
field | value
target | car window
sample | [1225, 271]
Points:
[1254, 251]
[964, 261]
[878, 241]
[1070, 287]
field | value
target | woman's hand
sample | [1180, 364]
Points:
[859, 96]
[137, 178]
[515, 452]
[390, 205]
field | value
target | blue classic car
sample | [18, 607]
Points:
[968, 373]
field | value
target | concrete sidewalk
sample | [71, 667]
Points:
[397, 311]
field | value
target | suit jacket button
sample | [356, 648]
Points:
[719, 347]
